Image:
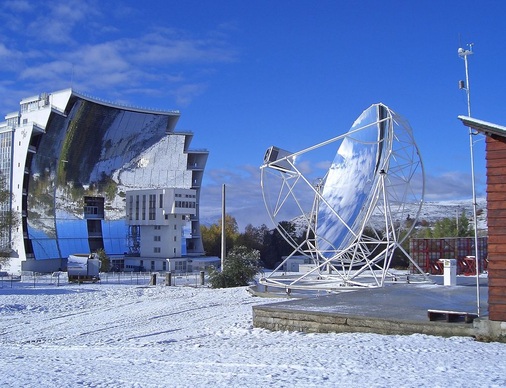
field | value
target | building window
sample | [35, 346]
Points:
[152, 265]
[158, 227]
[175, 227]
[164, 266]
[136, 207]
[175, 238]
[152, 206]
[144, 207]
[157, 250]
[174, 250]
[157, 238]
[180, 266]
[161, 201]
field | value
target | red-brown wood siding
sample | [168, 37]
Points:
[496, 209]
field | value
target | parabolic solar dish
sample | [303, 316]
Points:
[348, 187]
[352, 215]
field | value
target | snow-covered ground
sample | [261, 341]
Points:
[105, 335]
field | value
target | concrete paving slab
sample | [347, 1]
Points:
[390, 308]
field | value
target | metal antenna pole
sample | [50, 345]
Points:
[223, 233]
[464, 54]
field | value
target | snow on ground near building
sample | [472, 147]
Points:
[138, 336]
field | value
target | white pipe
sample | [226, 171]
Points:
[223, 233]
[464, 54]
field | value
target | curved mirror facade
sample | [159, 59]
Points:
[91, 153]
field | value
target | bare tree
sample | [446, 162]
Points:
[9, 220]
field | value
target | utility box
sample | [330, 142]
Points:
[83, 268]
[449, 272]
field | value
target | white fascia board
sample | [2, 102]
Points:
[483, 126]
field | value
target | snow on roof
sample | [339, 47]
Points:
[483, 126]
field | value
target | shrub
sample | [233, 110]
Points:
[105, 262]
[241, 266]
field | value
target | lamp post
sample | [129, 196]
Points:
[463, 53]
[223, 233]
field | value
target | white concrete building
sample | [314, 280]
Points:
[69, 161]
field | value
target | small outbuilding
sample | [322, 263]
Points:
[496, 213]
[83, 268]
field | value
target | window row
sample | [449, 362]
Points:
[185, 204]
[186, 195]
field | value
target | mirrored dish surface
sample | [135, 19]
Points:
[347, 189]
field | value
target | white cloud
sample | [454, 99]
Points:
[184, 94]
[81, 49]
[243, 196]
[50, 71]
[18, 5]
[12, 60]
[55, 21]
[245, 202]
[451, 185]
[168, 47]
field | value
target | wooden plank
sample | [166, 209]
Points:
[498, 237]
[497, 211]
[493, 196]
[496, 222]
[495, 147]
[496, 248]
[497, 312]
[495, 163]
[496, 190]
[494, 204]
[496, 233]
[499, 221]
[493, 144]
[498, 298]
[495, 153]
[497, 292]
[495, 281]
[451, 316]
[494, 177]
[496, 265]
[498, 274]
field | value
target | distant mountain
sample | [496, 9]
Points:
[431, 212]
[434, 211]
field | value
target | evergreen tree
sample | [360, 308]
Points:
[464, 227]
[447, 227]
[241, 266]
[105, 262]
[276, 246]
[253, 237]
[452, 227]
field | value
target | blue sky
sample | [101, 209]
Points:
[248, 75]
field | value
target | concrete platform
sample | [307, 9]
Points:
[393, 309]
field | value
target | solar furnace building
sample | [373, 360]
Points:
[72, 162]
